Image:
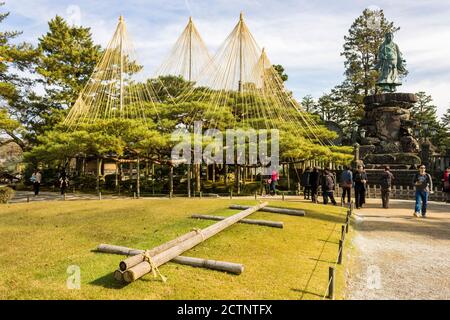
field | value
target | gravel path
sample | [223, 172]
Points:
[397, 256]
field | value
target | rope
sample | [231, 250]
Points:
[199, 231]
[155, 269]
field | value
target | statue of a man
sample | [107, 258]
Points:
[390, 64]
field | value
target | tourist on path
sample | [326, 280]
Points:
[386, 184]
[63, 182]
[314, 179]
[328, 185]
[36, 179]
[273, 182]
[446, 183]
[360, 181]
[424, 185]
[306, 184]
[346, 183]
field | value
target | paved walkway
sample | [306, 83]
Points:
[398, 256]
[24, 196]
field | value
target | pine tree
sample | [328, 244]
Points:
[68, 58]
[14, 58]
[446, 120]
[308, 103]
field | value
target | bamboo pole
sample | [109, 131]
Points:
[144, 267]
[274, 224]
[132, 261]
[235, 268]
[292, 212]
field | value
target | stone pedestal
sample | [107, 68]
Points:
[388, 125]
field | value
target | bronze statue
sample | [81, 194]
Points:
[390, 64]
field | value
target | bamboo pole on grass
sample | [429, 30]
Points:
[292, 212]
[145, 267]
[266, 223]
[235, 268]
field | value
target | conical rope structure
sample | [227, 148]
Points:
[113, 90]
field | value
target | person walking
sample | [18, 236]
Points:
[446, 183]
[306, 183]
[63, 182]
[386, 183]
[424, 185]
[360, 181]
[273, 182]
[36, 179]
[314, 179]
[328, 187]
[346, 184]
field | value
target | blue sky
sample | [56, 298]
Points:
[304, 36]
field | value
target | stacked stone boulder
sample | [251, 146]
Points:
[388, 125]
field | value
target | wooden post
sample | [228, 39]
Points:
[288, 178]
[138, 179]
[97, 186]
[343, 232]
[99, 196]
[330, 283]
[346, 226]
[274, 224]
[189, 180]
[225, 177]
[170, 179]
[235, 268]
[341, 249]
[153, 178]
[145, 267]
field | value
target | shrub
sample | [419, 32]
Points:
[6, 194]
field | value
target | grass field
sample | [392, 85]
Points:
[39, 240]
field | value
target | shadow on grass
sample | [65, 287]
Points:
[108, 281]
[303, 292]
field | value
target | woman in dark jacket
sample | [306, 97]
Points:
[360, 180]
[314, 181]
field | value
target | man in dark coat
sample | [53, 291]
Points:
[306, 184]
[328, 185]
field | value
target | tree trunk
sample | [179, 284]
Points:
[189, 180]
[197, 178]
[171, 180]
[138, 180]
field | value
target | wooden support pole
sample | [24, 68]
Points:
[343, 232]
[230, 267]
[341, 249]
[331, 283]
[292, 212]
[266, 223]
[170, 180]
[189, 180]
[346, 227]
[138, 179]
[145, 267]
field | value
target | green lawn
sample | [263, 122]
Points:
[39, 240]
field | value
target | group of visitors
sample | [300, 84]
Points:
[36, 180]
[314, 178]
